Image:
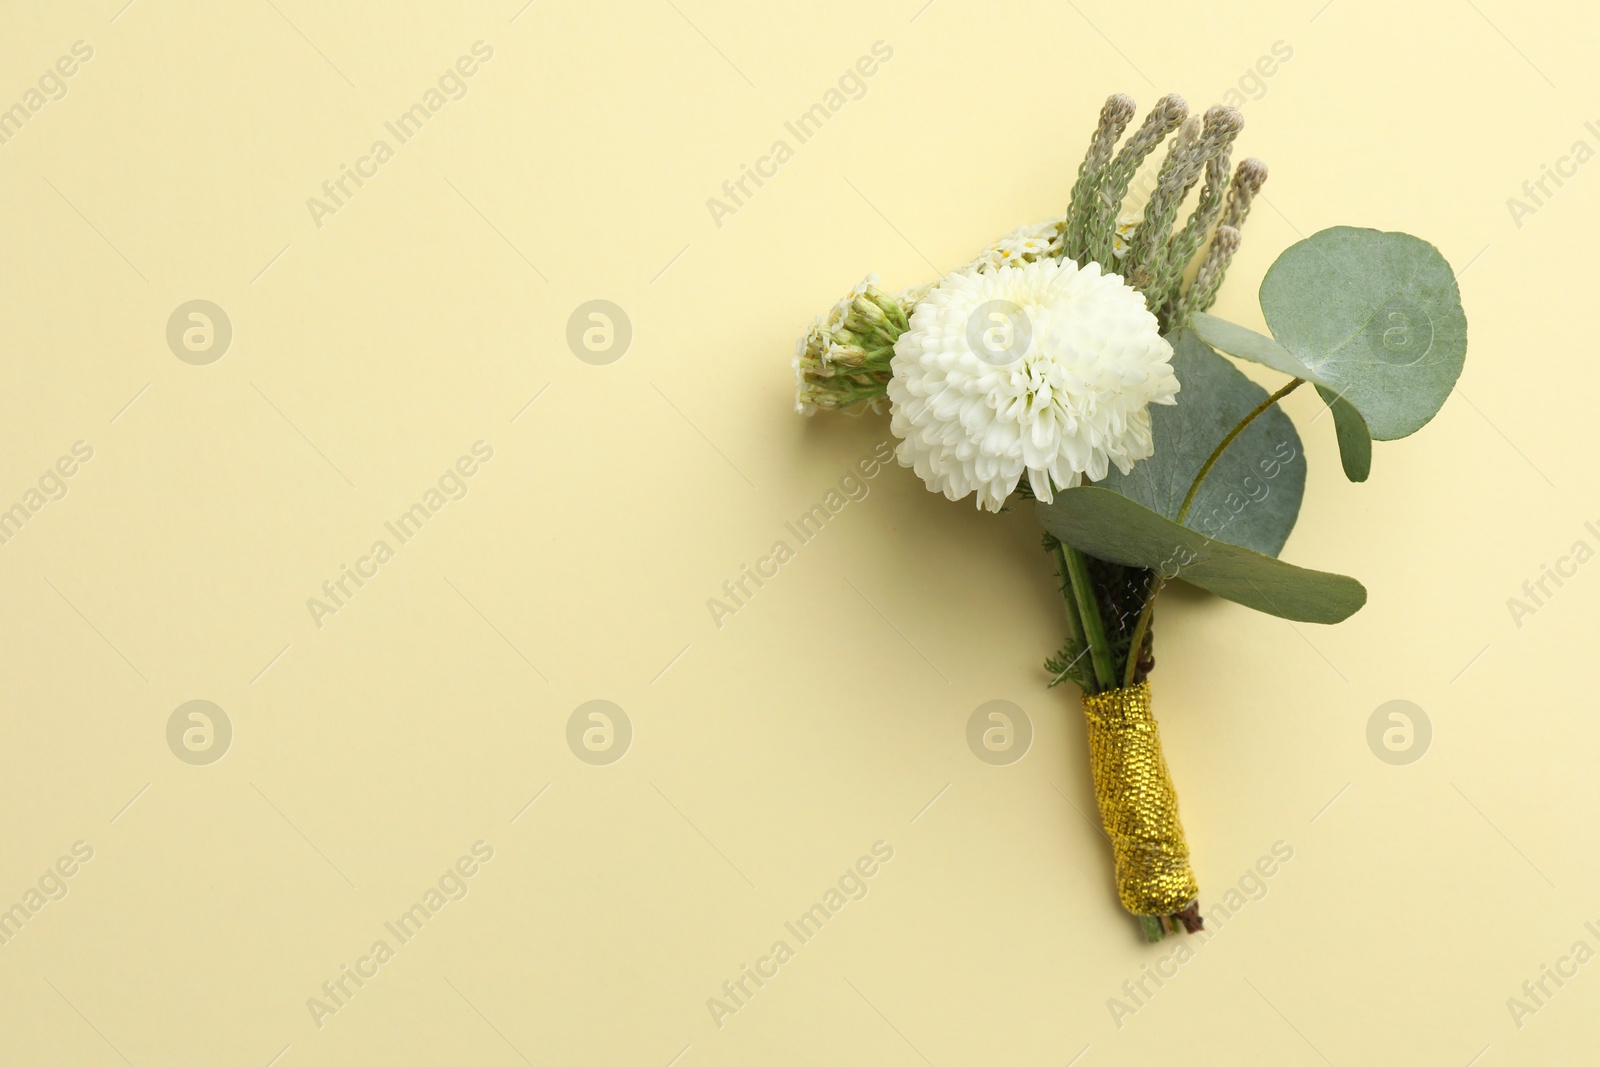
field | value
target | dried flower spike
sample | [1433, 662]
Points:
[1114, 118]
[1247, 182]
[1168, 114]
[1189, 156]
[1203, 290]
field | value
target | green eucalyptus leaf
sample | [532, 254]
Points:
[1376, 317]
[1355, 441]
[1112, 527]
[1251, 497]
[1245, 343]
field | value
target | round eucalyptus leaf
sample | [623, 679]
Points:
[1375, 316]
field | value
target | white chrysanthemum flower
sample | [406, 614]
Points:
[1045, 369]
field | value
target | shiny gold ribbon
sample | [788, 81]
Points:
[1138, 805]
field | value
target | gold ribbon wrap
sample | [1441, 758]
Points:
[1138, 805]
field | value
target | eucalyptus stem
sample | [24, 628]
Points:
[1094, 627]
[1216, 453]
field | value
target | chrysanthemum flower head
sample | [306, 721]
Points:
[1045, 370]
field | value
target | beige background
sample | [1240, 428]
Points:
[829, 713]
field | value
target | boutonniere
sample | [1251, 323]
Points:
[1074, 364]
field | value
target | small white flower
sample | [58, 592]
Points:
[1037, 247]
[1009, 254]
[1022, 245]
[1122, 235]
[1073, 399]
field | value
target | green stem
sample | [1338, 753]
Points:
[1140, 628]
[1074, 624]
[1094, 627]
[1216, 453]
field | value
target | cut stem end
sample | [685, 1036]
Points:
[1156, 927]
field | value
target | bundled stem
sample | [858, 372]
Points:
[1139, 808]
